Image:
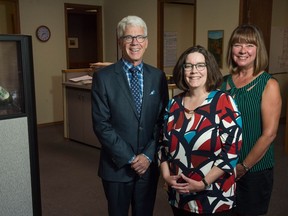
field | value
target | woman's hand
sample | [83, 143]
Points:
[240, 171]
[186, 185]
[174, 180]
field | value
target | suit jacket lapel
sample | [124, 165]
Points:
[148, 80]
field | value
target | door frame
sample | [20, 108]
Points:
[251, 11]
[99, 41]
[160, 29]
[14, 17]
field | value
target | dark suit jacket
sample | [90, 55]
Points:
[115, 120]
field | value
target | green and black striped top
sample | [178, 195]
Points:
[248, 99]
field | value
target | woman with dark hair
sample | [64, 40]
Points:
[202, 139]
[259, 100]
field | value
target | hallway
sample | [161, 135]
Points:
[70, 185]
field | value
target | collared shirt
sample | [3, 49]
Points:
[127, 66]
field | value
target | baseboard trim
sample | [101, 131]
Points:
[50, 124]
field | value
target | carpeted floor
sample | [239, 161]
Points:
[70, 185]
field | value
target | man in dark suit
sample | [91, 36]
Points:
[127, 109]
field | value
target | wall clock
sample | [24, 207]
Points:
[43, 33]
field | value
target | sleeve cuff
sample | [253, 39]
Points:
[147, 158]
[130, 161]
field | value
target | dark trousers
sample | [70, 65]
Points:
[253, 193]
[140, 194]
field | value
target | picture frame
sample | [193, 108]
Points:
[215, 45]
[73, 42]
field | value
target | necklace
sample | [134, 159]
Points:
[188, 111]
[198, 102]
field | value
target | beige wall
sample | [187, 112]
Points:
[179, 18]
[223, 15]
[279, 20]
[3, 23]
[114, 11]
[216, 15]
[50, 57]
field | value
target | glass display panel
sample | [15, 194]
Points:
[11, 78]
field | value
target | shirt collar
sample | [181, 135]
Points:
[127, 65]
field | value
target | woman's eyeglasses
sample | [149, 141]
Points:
[189, 67]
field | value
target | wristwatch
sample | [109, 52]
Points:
[207, 186]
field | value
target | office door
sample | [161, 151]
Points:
[258, 12]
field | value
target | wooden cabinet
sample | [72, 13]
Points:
[80, 127]
[77, 108]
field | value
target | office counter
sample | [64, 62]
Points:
[77, 105]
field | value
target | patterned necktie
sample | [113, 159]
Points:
[135, 89]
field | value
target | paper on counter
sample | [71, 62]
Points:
[87, 82]
[81, 78]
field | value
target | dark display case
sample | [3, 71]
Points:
[19, 179]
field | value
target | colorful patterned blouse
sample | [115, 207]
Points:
[211, 137]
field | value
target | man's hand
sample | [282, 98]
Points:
[140, 164]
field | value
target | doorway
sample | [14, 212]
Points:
[84, 42]
[251, 11]
[173, 38]
[9, 17]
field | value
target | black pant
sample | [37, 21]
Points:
[253, 193]
[140, 193]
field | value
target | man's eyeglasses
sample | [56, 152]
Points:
[189, 67]
[129, 38]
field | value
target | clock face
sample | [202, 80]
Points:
[43, 33]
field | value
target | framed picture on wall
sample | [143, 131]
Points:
[215, 45]
[73, 42]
